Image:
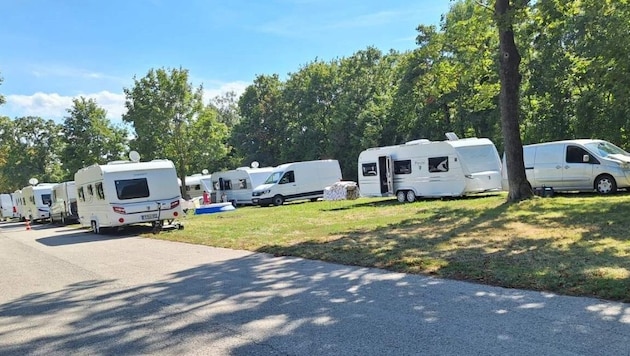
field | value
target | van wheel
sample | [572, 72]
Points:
[411, 196]
[401, 196]
[95, 228]
[278, 200]
[605, 184]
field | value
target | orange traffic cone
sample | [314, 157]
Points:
[28, 224]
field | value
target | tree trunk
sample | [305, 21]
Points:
[519, 188]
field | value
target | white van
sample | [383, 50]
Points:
[424, 168]
[6, 207]
[18, 202]
[297, 181]
[37, 200]
[583, 165]
[64, 203]
[236, 186]
[123, 193]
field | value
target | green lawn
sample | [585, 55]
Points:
[573, 244]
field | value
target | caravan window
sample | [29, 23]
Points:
[132, 188]
[402, 167]
[369, 169]
[99, 190]
[242, 184]
[81, 194]
[46, 199]
[227, 184]
[216, 185]
[90, 189]
[438, 164]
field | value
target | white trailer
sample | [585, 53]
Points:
[236, 186]
[197, 183]
[18, 201]
[64, 203]
[37, 200]
[123, 193]
[424, 168]
[6, 207]
[297, 181]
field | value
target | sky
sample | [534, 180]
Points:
[54, 51]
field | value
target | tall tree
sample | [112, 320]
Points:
[32, 146]
[163, 109]
[90, 137]
[510, 59]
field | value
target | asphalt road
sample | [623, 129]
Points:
[64, 291]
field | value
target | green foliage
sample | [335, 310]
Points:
[170, 121]
[30, 149]
[89, 138]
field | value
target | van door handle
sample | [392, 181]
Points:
[558, 167]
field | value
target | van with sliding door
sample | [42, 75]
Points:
[583, 165]
[297, 181]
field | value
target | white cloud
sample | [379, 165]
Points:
[54, 106]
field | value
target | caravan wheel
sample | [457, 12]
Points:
[401, 196]
[411, 196]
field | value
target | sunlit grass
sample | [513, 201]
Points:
[569, 244]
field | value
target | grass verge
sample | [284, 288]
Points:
[571, 244]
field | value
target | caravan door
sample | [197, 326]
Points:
[386, 174]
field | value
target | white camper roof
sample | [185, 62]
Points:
[125, 166]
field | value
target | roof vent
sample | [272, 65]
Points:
[451, 136]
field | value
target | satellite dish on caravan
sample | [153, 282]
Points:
[134, 156]
[33, 181]
[255, 164]
[205, 171]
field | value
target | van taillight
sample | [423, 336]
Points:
[14, 209]
[119, 209]
[174, 204]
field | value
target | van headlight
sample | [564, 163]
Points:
[266, 191]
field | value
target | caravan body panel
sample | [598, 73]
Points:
[236, 186]
[64, 202]
[197, 183]
[127, 193]
[6, 206]
[37, 201]
[18, 201]
[297, 181]
[430, 169]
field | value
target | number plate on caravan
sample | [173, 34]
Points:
[149, 216]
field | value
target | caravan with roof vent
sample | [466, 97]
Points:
[423, 168]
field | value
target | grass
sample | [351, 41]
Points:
[571, 244]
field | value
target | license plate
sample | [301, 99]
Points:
[149, 216]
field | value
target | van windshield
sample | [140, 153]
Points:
[273, 178]
[604, 149]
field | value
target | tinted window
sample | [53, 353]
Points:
[46, 199]
[438, 164]
[242, 184]
[287, 178]
[99, 190]
[402, 167]
[368, 169]
[132, 188]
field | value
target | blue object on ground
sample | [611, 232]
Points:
[214, 208]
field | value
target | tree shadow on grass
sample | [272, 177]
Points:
[261, 305]
[496, 246]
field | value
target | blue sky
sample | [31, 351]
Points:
[54, 51]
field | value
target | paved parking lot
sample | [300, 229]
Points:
[66, 291]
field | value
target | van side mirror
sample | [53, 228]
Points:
[586, 158]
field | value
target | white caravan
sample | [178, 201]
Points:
[63, 207]
[6, 206]
[122, 193]
[197, 183]
[18, 201]
[297, 181]
[575, 165]
[37, 200]
[236, 186]
[423, 168]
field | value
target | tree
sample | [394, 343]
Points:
[164, 110]
[31, 147]
[510, 59]
[89, 137]
[2, 99]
